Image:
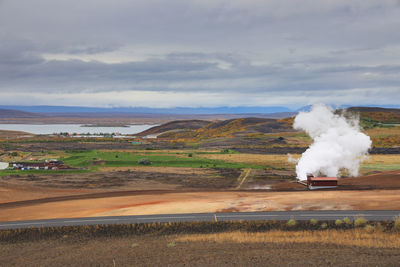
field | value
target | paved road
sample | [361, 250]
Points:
[246, 216]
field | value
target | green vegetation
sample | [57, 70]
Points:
[360, 221]
[171, 244]
[397, 224]
[347, 220]
[338, 222]
[313, 222]
[92, 159]
[291, 223]
[369, 228]
[382, 166]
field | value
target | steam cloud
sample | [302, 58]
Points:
[338, 143]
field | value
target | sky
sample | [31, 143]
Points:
[199, 53]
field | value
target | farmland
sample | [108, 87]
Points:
[245, 164]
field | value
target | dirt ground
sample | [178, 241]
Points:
[170, 192]
[167, 251]
[33, 186]
[389, 179]
[198, 202]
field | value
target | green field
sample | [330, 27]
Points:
[92, 159]
[380, 167]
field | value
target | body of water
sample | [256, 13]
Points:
[73, 128]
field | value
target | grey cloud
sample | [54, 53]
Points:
[258, 47]
[90, 50]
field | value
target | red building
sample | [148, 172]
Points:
[321, 182]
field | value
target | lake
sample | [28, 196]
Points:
[73, 128]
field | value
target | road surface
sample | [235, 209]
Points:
[378, 215]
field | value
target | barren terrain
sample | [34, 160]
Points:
[197, 202]
[182, 190]
[225, 249]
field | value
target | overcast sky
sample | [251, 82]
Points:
[194, 53]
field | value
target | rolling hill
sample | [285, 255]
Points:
[205, 129]
[12, 113]
[175, 126]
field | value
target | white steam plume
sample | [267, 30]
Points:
[338, 143]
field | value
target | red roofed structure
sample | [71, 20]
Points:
[321, 182]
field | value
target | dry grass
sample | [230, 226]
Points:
[385, 137]
[353, 237]
[375, 132]
[273, 160]
[281, 161]
[383, 159]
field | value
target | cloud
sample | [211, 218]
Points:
[290, 51]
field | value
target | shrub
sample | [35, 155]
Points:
[144, 162]
[338, 222]
[369, 228]
[347, 220]
[313, 222]
[396, 225]
[324, 226]
[379, 227]
[360, 221]
[171, 244]
[291, 223]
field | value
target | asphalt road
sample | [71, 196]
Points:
[371, 215]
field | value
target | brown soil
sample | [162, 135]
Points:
[167, 251]
[10, 192]
[379, 180]
[379, 191]
[4, 134]
[131, 179]
[390, 179]
[138, 203]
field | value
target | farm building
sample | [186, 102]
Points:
[321, 182]
[48, 165]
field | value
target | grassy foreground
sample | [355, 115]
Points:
[352, 237]
[91, 231]
[271, 243]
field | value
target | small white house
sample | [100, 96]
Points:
[3, 165]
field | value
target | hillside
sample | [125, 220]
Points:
[11, 113]
[221, 128]
[242, 127]
[180, 125]
[371, 117]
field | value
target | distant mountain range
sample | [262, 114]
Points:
[52, 111]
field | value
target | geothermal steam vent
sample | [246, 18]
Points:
[337, 144]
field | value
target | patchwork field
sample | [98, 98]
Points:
[245, 164]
